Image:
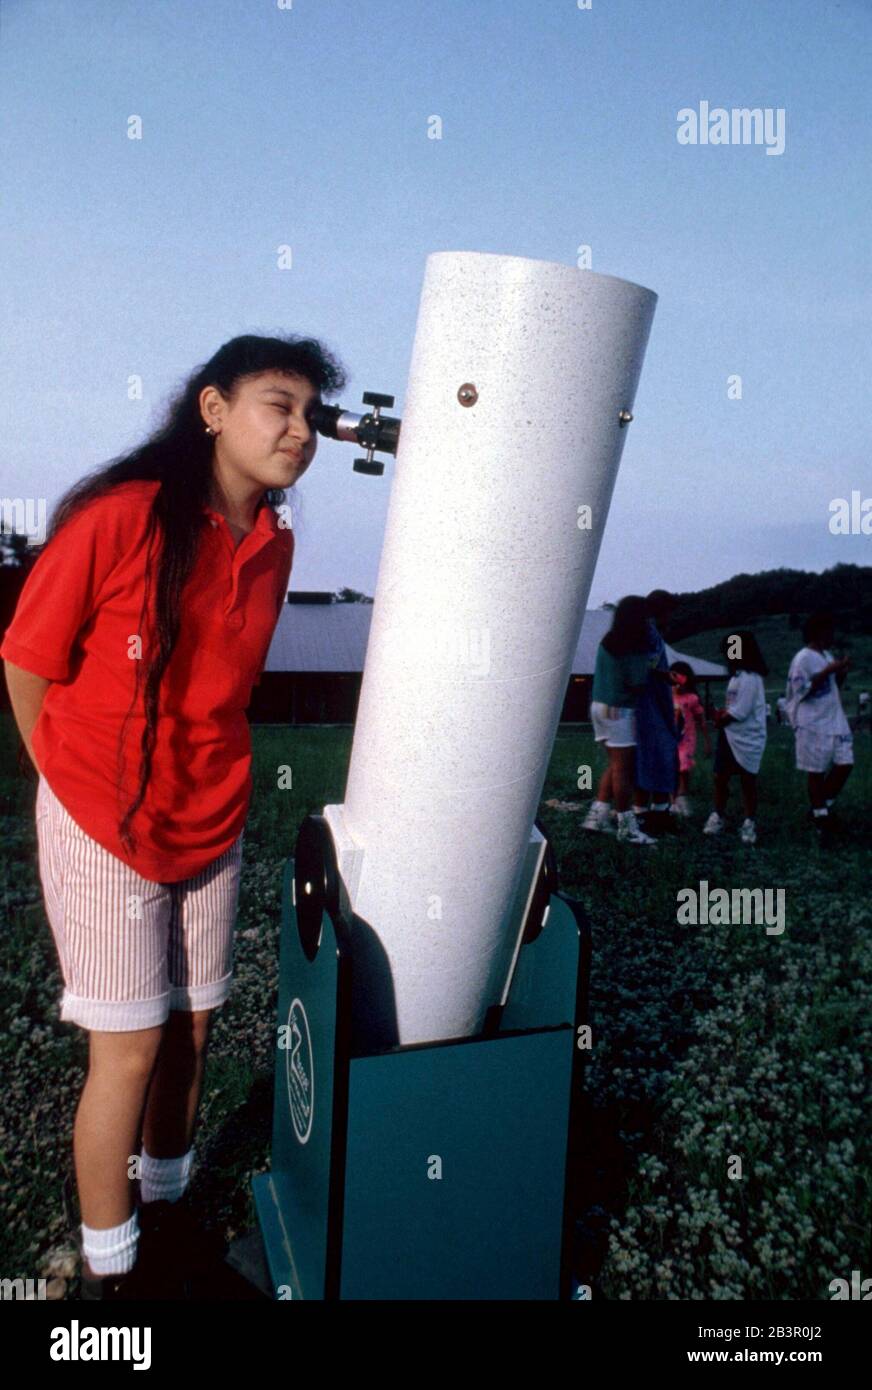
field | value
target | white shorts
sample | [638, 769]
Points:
[815, 752]
[613, 725]
[123, 972]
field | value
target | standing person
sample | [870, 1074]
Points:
[657, 734]
[742, 732]
[142, 916]
[619, 677]
[690, 716]
[824, 743]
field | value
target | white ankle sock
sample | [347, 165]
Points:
[164, 1179]
[111, 1250]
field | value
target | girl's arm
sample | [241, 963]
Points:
[836, 668]
[26, 694]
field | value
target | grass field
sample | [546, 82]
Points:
[726, 1110]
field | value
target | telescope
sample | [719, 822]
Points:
[433, 977]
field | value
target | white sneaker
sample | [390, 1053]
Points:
[681, 806]
[599, 818]
[748, 832]
[714, 825]
[629, 832]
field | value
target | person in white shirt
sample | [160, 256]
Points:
[742, 732]
[824, 742]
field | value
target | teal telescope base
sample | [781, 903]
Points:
[431, 1171]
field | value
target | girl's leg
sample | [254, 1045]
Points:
[817, 790]
[748, 782]
[621, 763]
[836, 779]
[722, 791]
[200, 954]
[174, 1093]
[107, 1123]
[683, 783]
[604, 790]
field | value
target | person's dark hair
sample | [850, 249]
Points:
[659, 604]
[683, 668]
[751, 658]
[819, 626]
[179, 454]
[629, 629]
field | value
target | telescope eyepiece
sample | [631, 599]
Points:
[374, 431]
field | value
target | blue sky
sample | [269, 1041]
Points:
[308, 127]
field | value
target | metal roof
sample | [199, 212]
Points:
[597, 622]
[332, 638]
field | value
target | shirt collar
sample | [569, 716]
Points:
[266, 520]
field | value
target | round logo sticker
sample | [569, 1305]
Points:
[301, 1072]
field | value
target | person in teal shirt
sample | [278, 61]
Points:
[620, 675]
[617, 679]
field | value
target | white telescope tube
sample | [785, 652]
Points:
[487, 563]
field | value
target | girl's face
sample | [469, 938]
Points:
[264, 434]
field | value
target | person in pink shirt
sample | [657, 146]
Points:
[690, 717]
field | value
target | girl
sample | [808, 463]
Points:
[619, 677]
[130, 661]
[689, 716]
[742, 736]
[824, 742]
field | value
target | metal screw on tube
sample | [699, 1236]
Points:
[467, 394]
[624, 418]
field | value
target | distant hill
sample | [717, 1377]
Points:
[773, 604]
[845, 589]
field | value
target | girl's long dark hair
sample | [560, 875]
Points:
[683, 668]
[179, 454]
[629, 629]
[751, 658]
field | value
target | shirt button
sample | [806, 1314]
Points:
[234, 620]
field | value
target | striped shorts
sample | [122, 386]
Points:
[123, 971]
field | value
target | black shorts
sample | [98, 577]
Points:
[725, 758]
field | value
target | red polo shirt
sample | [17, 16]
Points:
[76, 622]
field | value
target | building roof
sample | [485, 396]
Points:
[597, 622]
[332, 638]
